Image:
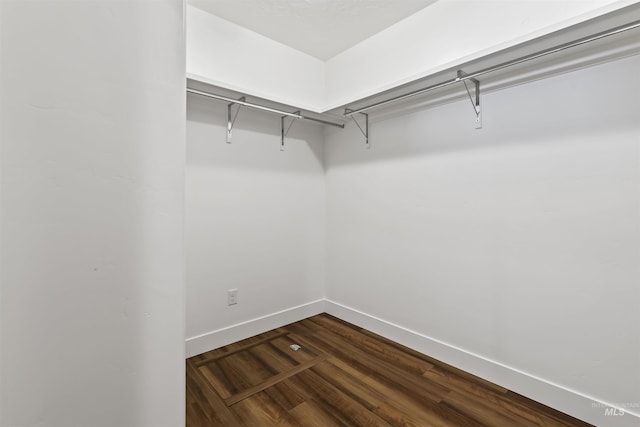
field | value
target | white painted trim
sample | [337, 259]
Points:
[230, 334]
[564, 399]
[256, 92]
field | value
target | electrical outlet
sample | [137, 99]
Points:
[232, 297]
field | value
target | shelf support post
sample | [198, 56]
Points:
[475, 101]
[365, 131]
[232, 121]
[283, 132]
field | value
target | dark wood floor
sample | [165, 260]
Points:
[343, 375]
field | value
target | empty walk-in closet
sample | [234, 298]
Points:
[331, 212]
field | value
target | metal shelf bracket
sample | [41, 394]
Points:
[475, 101]
[365, 131]
[283, 132]
[232, 121]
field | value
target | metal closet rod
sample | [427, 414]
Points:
[262, 107]
[500, 66]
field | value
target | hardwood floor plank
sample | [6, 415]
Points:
[304, 354]
[469, 386]
[204, 401]
[339, 404]
[286, 394]
[227, 376]
[380, 369]
[412, 406]
[382, 350]
[486, 413]
[448, 369]
[273, 358]
[369, 394]
[350, 383]
[214, 355]
[311, 414]
[547, 416]
[452, 379]
[261, 410]
[273, 380]
[344, 375]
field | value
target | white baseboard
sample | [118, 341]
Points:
[230, 334]
[556, 396]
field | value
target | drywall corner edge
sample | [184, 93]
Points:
[556, 396]
[230, 334]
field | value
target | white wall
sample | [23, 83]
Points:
[91, 212]
[255, 221]
[444, 35]
[227, 55]
[518, 243]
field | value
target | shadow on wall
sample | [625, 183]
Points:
[256, 138]
[540, 112]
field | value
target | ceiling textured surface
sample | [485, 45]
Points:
[320, 28]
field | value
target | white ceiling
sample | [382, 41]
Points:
[320, 28]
